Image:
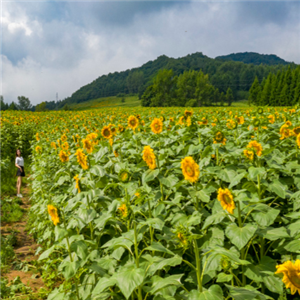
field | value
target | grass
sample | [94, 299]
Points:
[130, 101]
[11, 210]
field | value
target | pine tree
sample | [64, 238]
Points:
[273, 97]
[288, 82]
[283, 96]
[296, 99]
[254, 92]
[266, 92]
[229, 96]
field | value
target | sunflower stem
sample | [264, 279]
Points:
[198, 266]
[137, 258]
[71, 258]
[217, 155]
[243, 250]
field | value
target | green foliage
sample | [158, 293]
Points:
[254, 58]
[11, 210]
[41, 107]
[281, 89]
[223, 74]
[24, 103]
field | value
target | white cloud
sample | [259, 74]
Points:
[43, 55]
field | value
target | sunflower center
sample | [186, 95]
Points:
[226, 199]
[106, 132]
[294, 278]
[190, 171]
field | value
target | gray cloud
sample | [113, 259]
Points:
[61, 46]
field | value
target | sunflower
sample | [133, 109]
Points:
[291, 275]
[53, 214]
[65, 146]
[226, 199]
[116, 154]
[77, 183]
[231, 124]
[188, 113]
[190, 169]
[260, 110]
[271, 119]
[219, 137]
[133, 122]
[38, 149]
[256, 122]
[149, 157]
[63, 156]
[87, 145]
[82, 159]
[284, 131]
[123, 210]
[296, 131]
[63, 138]
[120, 128]
[256, 147]
[298, 140]
[37, 136]
[106, 132]
[124, 175]
[156, 125]
[53, 145]
[249, 154]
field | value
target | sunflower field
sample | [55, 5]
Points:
[166, 203]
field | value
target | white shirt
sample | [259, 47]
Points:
[20, 161]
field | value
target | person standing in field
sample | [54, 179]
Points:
[20, 172]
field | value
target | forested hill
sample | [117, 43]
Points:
[222, 74]
[254, 58]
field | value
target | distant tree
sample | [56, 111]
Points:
[164, 85]
[3, 106]
[134, 80]
[41, 107]
[296, 99]
[255, 92]
[147, 96]
[222, 99]
[24, 103]
[266, 91]
[13, 106]
[202, 92]
[66, 107]
[229, 96]
[186, 87]
[123, 99]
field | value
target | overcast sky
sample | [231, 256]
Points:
[51, 47]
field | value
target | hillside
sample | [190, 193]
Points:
[239, 76]
[254, 58]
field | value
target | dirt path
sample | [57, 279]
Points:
[24, 249]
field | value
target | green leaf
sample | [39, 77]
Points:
[227, 175]
[213, 293]
[98, 171]
[159, 283]
[129, 278]
[162, 262]
[103, 284]
[246, 293]
[236, 180]
[206, 151]
[214, 219]
[273, 283]
[240, 236]
[160, 248]
[80, 248]
[254, 172]
[203, 196]
[274, 234]
[69, 268]
[222, 277]
[46, 253]
[149, 175]
[60, 233]
[278, 188]
[293, 246]
[264, 215]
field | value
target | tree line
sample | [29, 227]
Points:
[280, 89]
[236, 75]
[191, 88]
